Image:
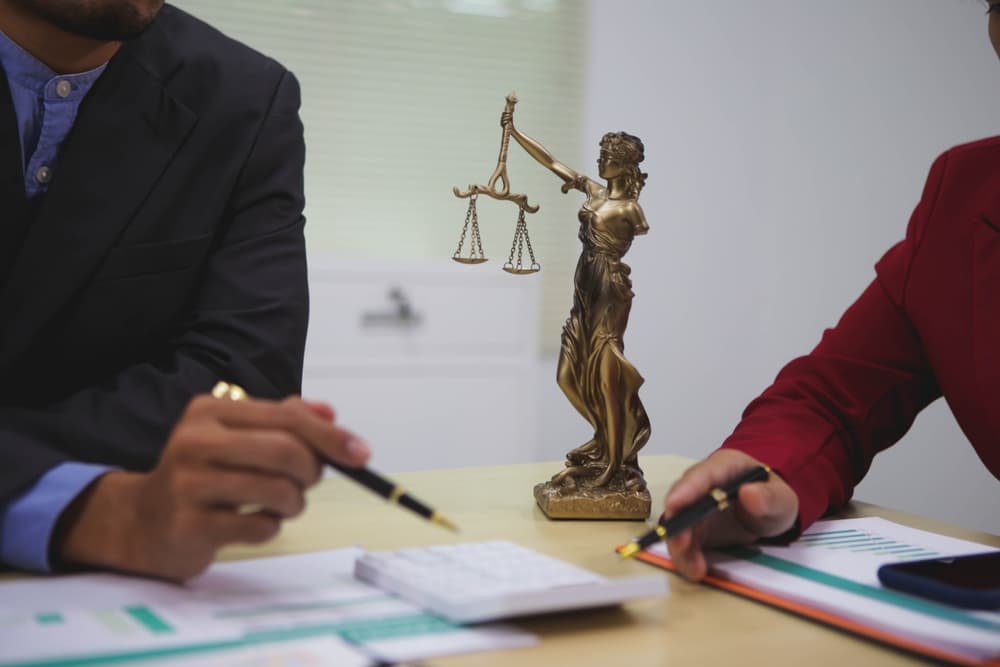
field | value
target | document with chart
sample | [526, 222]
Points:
[830, 574]
[237, 613]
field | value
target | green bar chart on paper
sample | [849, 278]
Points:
[859, 541]
[122, 621]
[63, 635]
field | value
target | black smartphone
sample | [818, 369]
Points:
[965, 581]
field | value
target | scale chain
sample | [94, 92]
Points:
[477, 240]
[527, 240]
[465, 227]
[521, 239]
[475, 243]
[515, 245]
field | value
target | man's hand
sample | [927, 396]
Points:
[231, 472]
[764, 509]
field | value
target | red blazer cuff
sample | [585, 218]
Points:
[814, 478]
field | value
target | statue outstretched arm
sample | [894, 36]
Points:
[571, 179]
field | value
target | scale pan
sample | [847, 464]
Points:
[470, 260]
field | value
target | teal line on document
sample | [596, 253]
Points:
[885, 595]
[890, 547]
[863, 544]
[840, 544]
[837, 540]
[380, 628]
[301, 606]
[812, 536]
[49, 618]
[149, 620]
[904, 550]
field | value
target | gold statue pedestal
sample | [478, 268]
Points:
[580, 498]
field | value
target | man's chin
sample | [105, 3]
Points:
[102, 20]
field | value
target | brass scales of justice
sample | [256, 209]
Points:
[601, 478]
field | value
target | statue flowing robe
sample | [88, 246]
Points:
[594, 373]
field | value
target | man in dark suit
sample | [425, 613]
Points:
[150, 245]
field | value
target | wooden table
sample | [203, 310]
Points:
[693, 625]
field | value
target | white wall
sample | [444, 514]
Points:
[786, 144]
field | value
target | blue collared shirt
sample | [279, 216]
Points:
[45, 104]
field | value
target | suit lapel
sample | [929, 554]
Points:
[13, 204]
[127, 130]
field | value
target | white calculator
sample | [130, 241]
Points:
[482, 581]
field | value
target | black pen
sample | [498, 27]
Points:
[715, 500]
[363, 476]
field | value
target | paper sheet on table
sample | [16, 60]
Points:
[316, 652]
[67, 620]
[833, 568]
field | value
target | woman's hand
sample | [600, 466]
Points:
[763, 509]
[507, 118]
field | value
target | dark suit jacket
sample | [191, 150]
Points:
[167, 254]
[929, 325]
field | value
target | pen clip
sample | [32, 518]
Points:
[720, 497]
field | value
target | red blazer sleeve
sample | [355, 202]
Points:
[828, 413]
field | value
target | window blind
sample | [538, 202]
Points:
[401, 100]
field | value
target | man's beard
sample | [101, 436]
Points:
[103, 20]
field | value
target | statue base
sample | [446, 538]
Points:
[577, 499]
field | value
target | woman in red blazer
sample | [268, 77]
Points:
[927, 326]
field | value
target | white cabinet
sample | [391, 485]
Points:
[434, 363]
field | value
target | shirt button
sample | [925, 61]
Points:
[43, 175]
[64, 88]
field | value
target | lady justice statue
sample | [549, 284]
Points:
[602, 478]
